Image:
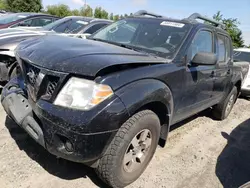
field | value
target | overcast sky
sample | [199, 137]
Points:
[173, 8]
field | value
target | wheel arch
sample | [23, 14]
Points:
[160, 110]
[150, 94]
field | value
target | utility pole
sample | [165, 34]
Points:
[85, 4]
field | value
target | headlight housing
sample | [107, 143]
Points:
[82, 94]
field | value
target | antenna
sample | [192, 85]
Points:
[85, 4]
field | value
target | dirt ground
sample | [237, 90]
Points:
[200, 152]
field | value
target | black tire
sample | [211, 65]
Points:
[112, 168]
[222, 110]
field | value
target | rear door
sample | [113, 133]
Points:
[223, 70]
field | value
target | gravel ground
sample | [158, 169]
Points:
[200, 152]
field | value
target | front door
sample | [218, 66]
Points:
[199, 80]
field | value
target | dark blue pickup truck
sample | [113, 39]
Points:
[109, 101]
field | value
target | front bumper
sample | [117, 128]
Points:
[57, 128]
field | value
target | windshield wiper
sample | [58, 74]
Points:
[114, 43]
[137, 49]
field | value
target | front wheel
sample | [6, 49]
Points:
[131, 150]
[223, 109]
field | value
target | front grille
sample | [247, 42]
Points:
[40, 82]
[51, 86]
[32, 74]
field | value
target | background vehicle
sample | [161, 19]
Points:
[3, 12]
[26, 20]
[108, 101]
[74, 26]
[77, 25]
[242, 58]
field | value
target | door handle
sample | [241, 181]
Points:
[229, 71]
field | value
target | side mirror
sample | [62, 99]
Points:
[204, 58]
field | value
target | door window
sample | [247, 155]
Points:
[95, 28]
[36, 22]
[62, 27]
[26, 23]
[76, 26]
[203, 42]
[39, 22]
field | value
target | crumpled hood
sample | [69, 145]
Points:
[78, 56]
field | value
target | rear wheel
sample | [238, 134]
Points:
[223, 109]
[131, 150]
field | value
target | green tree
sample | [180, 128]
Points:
[232, 27]
[111, 16]
[60, 10]
[116, 17]
[131, 14]
[24, 5]
[3, 4]
[105, 14]
[125, 15]
[86, 11]
[100, 13]
[121, 17]
[75, 12]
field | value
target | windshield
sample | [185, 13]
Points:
[241, 56]
[5, 19]
[67, 25]
[162, 38]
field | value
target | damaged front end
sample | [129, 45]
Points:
[72, 134]
[19, 109]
